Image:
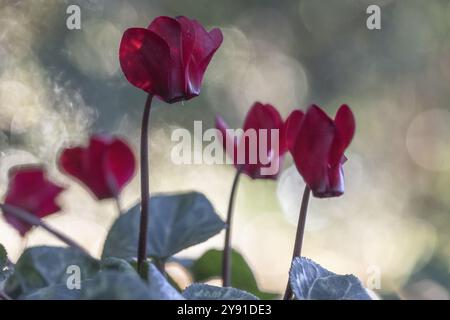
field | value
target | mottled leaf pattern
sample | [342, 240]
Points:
[176, 223]
[310, 281]
[41, 267]
[199, 291]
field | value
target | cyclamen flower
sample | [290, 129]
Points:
[105, 166]
[168, 59]
[263, 118]
[317, 144]
[30, 191]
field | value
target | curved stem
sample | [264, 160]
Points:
[35, 221]
[4, 296]
[160, 264]
[226, 259]
[145, 190]
[118, 206]
[297, 252]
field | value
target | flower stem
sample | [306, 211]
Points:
[161, 266]
[4, 296]
[145, 190]
[226, 259]
[35, 221]
[299, 236]
[118, 206]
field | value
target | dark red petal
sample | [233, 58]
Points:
[262, 117]
[93, 160]
[292, 127]
[217, 37]
[169, 29]
[71, 162]
[31, 191]
[222, 126]
[312, 148]
[145, 60]
[206, 44]
[265, 116]
[187, 38]
[104, 166]
[345, 125]
[119, 166]
[345, 130]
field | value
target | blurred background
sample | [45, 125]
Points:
[58, 86]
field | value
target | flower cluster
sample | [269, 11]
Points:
[168, 60]
[105, 166]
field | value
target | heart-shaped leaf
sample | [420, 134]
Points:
[116, 264]
[117, 281]
[40, 267]
[55, 292]
[310, 281]
[114, 285]
[160, 288]
[6, 267]
[199, 291]
[176, 222]
[3, 257]
[209, 266]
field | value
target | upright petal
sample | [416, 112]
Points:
[119, 166]
[206, 44]
[229, 141]
[292, 127]
[345, 125]
[145, 59]
[262, 118]
[93, 161]
[71, 161]
[188, 37]
[312, 148]
[104, 166]
[30, 190]
[345, 130]
[169, 29]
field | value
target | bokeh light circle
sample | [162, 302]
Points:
[428, 139]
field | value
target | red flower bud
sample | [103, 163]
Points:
[263, 118]
[317, 144]
[30, 191]
[105, 166]
[169, 58]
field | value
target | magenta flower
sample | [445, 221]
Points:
[168, 59]
[30, 190]
[263, 118]
[105, 166]
[317, 144]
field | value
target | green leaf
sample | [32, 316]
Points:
[199, 291]
[106, 285]
[159, 286]
[116, 264]
[176, 222]
[310, 281]
[55, 292]
[41, 267]
[3, 257]
[117, 281]
[6, 267]
[209, 266]
[114, 285]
